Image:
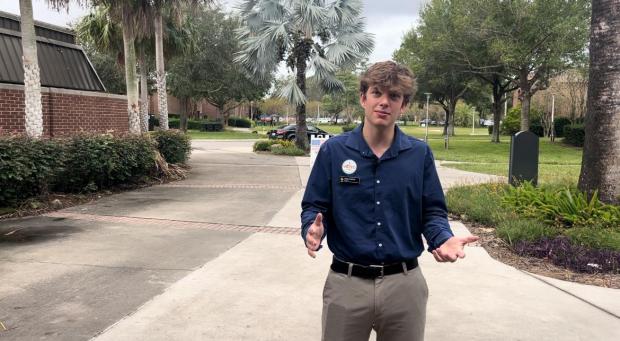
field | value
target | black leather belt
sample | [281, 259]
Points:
[372, 271]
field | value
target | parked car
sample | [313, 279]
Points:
[431, 122]
[287, 132]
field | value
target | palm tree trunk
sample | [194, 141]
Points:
[144, 94]
[32, 76]
[301, 135]
[131, 80]
[162, 93]
[600, 168]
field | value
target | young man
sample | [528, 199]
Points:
[374, 192]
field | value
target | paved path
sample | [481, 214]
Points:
[218, 257]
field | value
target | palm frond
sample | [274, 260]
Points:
[292, 93]
[309, 17]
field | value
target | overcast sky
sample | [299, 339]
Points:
[387, 19]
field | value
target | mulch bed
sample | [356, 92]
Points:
[501, 251]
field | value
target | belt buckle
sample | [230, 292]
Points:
[382, 267]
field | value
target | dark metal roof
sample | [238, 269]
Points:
[62, 63]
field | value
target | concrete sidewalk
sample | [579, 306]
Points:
[219, 257]
[267, 288]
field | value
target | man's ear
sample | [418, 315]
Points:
[362, 98]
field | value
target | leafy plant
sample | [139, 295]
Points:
[174, 145]
[28, 167]
[574, 135]
[566, 207]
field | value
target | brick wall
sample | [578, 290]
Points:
[65, 111]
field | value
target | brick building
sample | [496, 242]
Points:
[73, 97]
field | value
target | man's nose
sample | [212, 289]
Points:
[384, 100]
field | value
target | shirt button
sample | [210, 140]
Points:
[378, 181]
[379, 224]
[378, 202]
[380, 245]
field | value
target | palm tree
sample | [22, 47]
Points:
[32, 78]
[316, 34]
[600, 168]
[133, 16]
[98, 31]
[174, 10]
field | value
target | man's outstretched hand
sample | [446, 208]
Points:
[315, 233]
[452, 249]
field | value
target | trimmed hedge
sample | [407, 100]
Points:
[559, 124]
[82, 163]
[28, 167]
[574, 135]
[239, 122]
[174, 145]
[93, 162]
[348, 127]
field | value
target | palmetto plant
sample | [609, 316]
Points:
[309, 35]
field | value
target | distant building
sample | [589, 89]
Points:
[73, 96]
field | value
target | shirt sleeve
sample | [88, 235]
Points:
[434, 211]
[318, 194]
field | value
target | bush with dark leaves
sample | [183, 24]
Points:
[562, 252]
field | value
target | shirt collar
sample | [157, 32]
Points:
[356, 141]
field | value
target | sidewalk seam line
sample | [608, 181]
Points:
[573, 295]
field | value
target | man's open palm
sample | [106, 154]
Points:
[315, 233]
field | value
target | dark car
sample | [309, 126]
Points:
[287, 132]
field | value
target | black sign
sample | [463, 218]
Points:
[523, 158]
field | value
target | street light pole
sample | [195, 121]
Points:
[428, 95]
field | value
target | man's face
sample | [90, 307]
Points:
[382, 106]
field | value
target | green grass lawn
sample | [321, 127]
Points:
[224, 135]
[557, 161]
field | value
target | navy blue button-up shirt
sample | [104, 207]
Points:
[375, 210]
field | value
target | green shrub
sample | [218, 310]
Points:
[511, 124]
[281, 149]
[239, 122]
[490, 128]
[559, 124]
[574, 135]
[600, 239]
[537, 128]
[567, 207]
[175, 146]
[174, 123]
[101, 161]
[348, 127]
[516, 230]
[262, 145]
[478, 203]
[27, 167]
[195, 124]
[265, 145]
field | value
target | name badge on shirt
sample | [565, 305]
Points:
[349, 180]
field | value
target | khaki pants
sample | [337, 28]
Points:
[395, 306]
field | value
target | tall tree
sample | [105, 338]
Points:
[310, 35]
[98, 31]
[208, 71]
[600, 168]
[32, 74]
[532, 40]
[133, 16]
[173, 9]
[426, 51]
